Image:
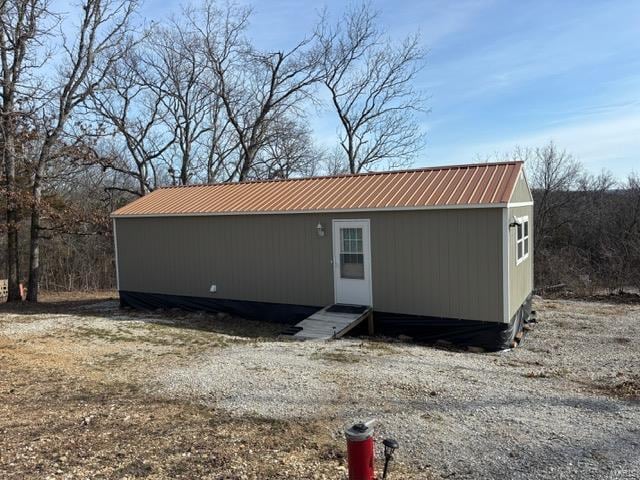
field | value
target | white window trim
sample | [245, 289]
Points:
[528, 237]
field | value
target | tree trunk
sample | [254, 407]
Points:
[34, 244]
[184, 169]
[12, 257]
[351, 154]
[13, 272]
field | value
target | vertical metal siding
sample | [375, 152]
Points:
[440, 263]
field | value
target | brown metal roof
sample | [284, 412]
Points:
[435, 187]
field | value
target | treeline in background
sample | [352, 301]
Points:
[99, 107]
[586, 226]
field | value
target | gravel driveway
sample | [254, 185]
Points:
[563, 405]
[553, 408]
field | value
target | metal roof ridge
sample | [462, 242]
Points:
[344, 175]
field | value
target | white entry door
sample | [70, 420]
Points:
[352, 262]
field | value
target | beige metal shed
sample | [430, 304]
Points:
[436, 252]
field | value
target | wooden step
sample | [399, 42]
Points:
[323, 324]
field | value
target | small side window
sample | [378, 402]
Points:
[522, 239]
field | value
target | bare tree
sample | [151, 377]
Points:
[371, 82]
[23, 26]
[174, 68]
[290, 152]
[77, 242]
[132, 104]
[627, 236]
[103, 30]
[255, 87]
[552, 173]
[586, 225]
[220, 142]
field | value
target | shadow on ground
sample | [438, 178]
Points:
[108, 307]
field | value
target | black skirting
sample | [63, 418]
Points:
[262, 311]
[488, 335]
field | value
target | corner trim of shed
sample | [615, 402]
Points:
[115, 252]
[505, 265]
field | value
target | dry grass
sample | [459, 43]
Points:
[74, 403]
[339, 356]
[74, 426]
[621, 386]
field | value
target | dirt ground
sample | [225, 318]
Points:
[91, 391]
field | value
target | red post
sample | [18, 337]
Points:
[360, 456]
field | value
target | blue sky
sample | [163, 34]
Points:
[501, 73]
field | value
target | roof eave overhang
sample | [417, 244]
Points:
[343, 210]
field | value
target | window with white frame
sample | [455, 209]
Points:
[522, 239]
[351, 253]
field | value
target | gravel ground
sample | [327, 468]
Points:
[565, 404]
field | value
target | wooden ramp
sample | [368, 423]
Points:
[332, 321]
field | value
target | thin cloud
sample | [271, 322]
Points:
[549, 48]
[599, 144]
